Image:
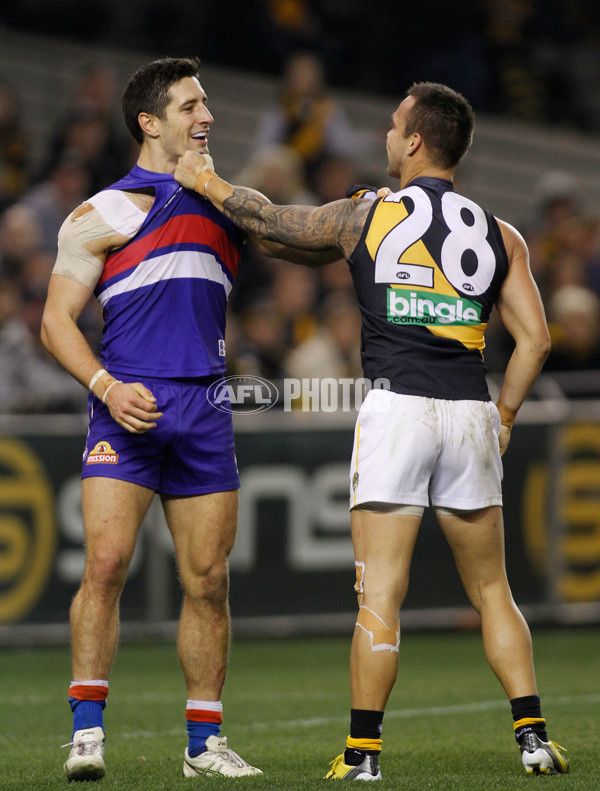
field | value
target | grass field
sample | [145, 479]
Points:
[286, 710]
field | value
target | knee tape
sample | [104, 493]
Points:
[382, 637]
[360, 576]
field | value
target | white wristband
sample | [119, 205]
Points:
[96, 376]
[112, 384]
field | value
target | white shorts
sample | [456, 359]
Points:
[420, 451]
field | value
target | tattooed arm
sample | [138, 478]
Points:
[337, 224]
[317, 228]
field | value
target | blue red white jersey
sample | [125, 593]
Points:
[164, 294]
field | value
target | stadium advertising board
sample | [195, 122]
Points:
[293, 554]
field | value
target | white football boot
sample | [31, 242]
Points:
[86, 759]
[217, 760]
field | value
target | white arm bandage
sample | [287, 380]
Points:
[113, 213]
[118, 212]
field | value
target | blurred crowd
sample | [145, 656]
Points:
[537, 60]
[284, 319]
[564, 246]
[86, 152]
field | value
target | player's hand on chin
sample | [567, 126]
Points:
[189, 167]
[133, 406]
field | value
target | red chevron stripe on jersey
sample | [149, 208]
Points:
[182, 229]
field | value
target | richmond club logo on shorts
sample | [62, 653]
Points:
[102, 453]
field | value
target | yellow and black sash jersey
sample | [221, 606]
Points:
[427, 270]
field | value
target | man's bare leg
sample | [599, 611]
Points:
[204, 529]
[477, 541]
[383, 547]
[384, 543]
[112, 512]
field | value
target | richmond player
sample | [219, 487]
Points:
[428, 266]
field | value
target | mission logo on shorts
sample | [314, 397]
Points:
[102, 454]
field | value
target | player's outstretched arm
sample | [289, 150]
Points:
[338, 224]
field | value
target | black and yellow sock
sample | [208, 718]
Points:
[527, 716]
[365, 735]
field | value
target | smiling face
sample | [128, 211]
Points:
[186, 120]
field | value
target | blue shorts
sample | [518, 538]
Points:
[189, 452]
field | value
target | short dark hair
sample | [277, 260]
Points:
[148, 89]
[444, 119]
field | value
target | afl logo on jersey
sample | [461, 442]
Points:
[102, 454]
